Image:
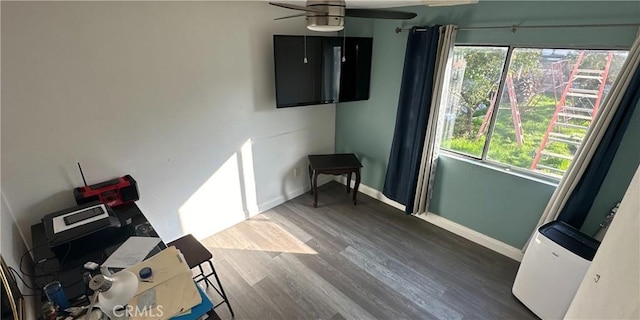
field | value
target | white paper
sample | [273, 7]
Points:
[132, 251]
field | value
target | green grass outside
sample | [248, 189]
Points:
[503, 146]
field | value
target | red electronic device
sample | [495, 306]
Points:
[113, 193]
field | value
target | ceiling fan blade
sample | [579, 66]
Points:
[444, 3]
[292, 16]
[295, 7]
[379, 14]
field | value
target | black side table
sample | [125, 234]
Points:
[335, 164]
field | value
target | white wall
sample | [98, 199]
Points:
[178, 94]
[616, 267]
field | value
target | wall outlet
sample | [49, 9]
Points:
[296, 171]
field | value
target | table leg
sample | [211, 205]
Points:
[314, 186]
[348, 182]
[311, 179]
[355, 187]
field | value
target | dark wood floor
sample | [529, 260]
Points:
[340, 261]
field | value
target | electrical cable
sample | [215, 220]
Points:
[61, 262]
[305, 49]
[22, 260]
[35, 262]
[15, 274]
[344, 43]
[49, 275]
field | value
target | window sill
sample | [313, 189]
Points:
[521, 173]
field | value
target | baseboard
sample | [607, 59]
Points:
[290, 195]
[453, 227]
[371, 192]
[472, 235]
[281, 199]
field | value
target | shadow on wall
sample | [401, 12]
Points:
[376, 170]
[300, 171]
[373, 171]
[262, 64]
[260, 44]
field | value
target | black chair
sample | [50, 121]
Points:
[196, 255]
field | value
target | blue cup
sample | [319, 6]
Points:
[55, 294]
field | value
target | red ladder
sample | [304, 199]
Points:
[515, 112]
[557, 77]
[584, 108]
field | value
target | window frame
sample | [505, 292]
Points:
[494, 116]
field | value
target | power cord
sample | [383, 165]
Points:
[48, 275]
[15, 274]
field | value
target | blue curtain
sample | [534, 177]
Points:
[413, 113]
[581, 199]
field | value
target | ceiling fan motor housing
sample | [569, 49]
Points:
[331, 20]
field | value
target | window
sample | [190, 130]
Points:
[526, 108]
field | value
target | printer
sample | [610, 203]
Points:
[74, 231]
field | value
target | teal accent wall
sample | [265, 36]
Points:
[619, 176]
[498, 203]
[493, 201]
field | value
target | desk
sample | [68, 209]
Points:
[47, 267]
[335, 164]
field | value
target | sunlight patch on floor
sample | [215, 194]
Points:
[259, 235]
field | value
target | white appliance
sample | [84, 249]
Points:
[552, 269]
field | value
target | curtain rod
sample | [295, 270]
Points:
[515, 27]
